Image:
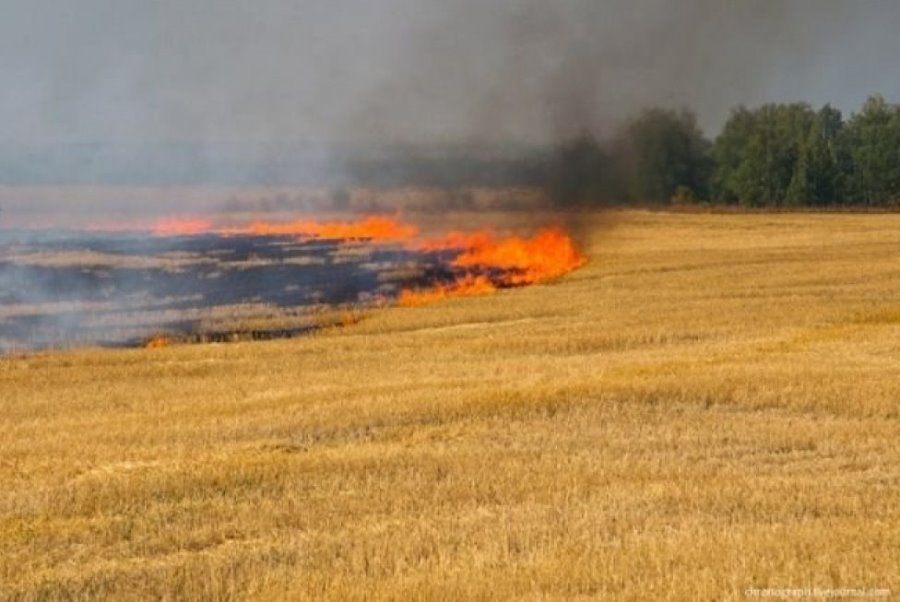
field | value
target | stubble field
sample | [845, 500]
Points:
[711, 404]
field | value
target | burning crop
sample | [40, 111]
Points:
[372, 228]
[166, 281]
[181, 226]
[487, 263]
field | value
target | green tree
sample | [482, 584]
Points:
[873, 140]
[761, 157]
[817, 176]
[732, 178]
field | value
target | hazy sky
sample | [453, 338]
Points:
[139, 71]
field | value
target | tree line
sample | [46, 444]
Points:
[781, 155]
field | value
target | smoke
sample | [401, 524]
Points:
[125, 110]
[265, 280]
[128, 110]
[417, 71]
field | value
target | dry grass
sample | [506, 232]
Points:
[711, 404]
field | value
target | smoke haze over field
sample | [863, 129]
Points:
[419, 71]
[116, 113]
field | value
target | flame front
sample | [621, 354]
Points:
[466, 286]
[489, 264]
[158, 342]
[375, 227]
[549, 254]
[175, 226]
[483, 262]
[486, 263]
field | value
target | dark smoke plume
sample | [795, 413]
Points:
[280, 91]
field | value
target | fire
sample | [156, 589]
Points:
[181, 227]
[213, 270]
[488, 264]
[158, 342]
[485, 262]
[549, 254]
[455, 240]
[467, 286]
[375, 227]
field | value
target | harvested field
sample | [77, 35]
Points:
[709, 405]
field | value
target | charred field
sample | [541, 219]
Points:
[187, 281]
[71, 288]
[707, 405]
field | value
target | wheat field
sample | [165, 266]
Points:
[712, 404]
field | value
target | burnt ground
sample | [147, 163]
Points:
[62, 289]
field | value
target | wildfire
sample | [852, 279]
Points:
[456, 240]
[489, 264]
[483, 262]
[466, 286]
[372, 228]
[181, 227]
[158, 342]
[376, 227]
[212, 269]
[549, 254]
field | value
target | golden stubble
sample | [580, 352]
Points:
[710, 404]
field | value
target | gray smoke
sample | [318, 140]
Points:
[128, 95]
[419, 71]
[231, 92]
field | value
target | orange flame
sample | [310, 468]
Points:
[181, 227]
[466, 286]
[158, 342]
[456, 240]
[549, 254]
[374, 227]
[483, 262]
[519, 261]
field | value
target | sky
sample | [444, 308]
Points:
[421, 71]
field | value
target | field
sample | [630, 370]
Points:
[712, 404]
